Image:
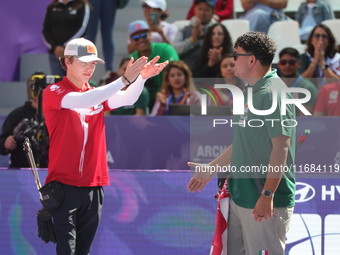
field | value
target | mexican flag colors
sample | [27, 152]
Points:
[263, 252]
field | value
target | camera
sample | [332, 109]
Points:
[26, 128]
[38, 136]
[35, 129]
[40, 82]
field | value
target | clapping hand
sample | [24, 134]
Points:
[197, 32]
[152, 68]
[134, 68]
[186, 95]
[214, 55]
[161, 96]
[319, 52]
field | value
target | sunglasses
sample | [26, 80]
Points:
[290, 62]
[137, 37]
[317, 36]
[236, 55]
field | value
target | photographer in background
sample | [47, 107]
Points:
[8, 143]
[155, 14]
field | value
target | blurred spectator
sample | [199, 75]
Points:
[103, 12]
[11, 140]
[223, 10]
[177, 88]
[226, 75]
[321, 59]
[140, 36]
[189, 40]
[261, 14]
[328, 101]
[289, 65]
[310, 14]
[217, 42]
[64, 21]
[155, 13]
[141, 105]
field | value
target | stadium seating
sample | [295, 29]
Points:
[285, 34]
[236, 27]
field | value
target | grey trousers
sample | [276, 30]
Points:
[247, 236]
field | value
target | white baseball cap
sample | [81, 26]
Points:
[157, 4]
[82, 49]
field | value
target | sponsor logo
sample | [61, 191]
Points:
[304, 192]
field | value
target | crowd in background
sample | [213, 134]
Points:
[198, 48]
[202, 49]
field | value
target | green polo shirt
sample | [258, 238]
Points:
[252, 146]
[166, 52]
[306, 84]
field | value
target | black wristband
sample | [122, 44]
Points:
[127, 80]
[324, 67]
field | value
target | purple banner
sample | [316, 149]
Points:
[21, 24]
[148, 142]
[169, 142]
[148, 212]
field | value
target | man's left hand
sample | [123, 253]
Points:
[152, 69]
[263, 209]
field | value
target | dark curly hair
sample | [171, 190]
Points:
[226, 44]
[258, 44]
[332, 47]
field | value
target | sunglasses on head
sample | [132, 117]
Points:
[137, 37]
[290, 62]
[236, 55]
[317, 36]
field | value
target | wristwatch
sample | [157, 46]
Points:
[267, 193]
[323, 67]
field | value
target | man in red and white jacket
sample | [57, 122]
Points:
[74, 113]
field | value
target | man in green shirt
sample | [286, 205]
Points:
[289, 65]
[262, 183]
[140, 36]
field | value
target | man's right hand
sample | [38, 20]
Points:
[197, 32]
[201, 177]
[10, 143]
